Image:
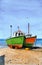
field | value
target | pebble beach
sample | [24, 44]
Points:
[22, 56]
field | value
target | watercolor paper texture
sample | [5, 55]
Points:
[24, 18]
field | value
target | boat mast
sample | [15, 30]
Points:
[10, 30]
[28, 28]
[18, 28]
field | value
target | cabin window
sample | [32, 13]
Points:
[18, 34]
[15, 34]
[21, 33]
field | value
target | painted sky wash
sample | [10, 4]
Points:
[15, 12]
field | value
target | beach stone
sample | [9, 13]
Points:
[2, 60]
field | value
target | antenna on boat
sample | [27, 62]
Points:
[28, 28]
[10, 30]
[18, 27]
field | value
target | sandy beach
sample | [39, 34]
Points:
[22, 56]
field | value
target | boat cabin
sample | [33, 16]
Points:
[18, 33]
[28, 35]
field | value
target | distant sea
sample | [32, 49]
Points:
[3, 43]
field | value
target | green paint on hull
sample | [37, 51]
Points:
[15, 40]
[28, 45]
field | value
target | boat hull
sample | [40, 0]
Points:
[21, 41]
[29, 41]
[15, 46]
[15, 42]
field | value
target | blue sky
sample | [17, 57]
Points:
[20, 13]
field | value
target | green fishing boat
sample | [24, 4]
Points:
[17, 40]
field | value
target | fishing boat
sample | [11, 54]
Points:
[29, 40]
[17, 40]
[20, 40]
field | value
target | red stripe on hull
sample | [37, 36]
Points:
[15, 46]
[30, 40]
